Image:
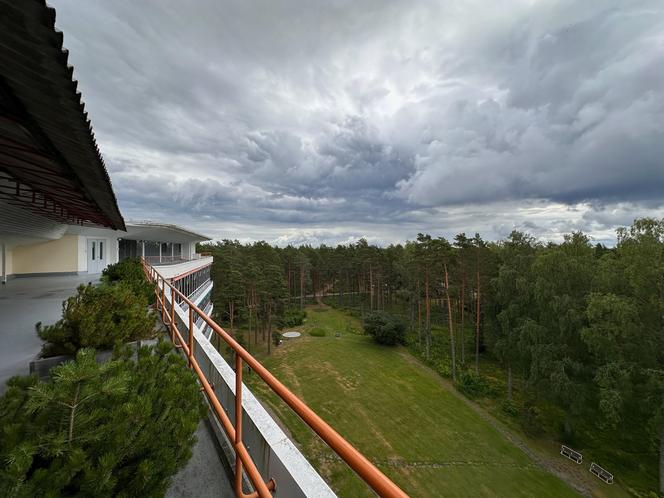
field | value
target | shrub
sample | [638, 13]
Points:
[473, 385]
[120, 428]
[292, 318]
[509, 407]
[129, 272]
[531, 419]
[443, 368]
[98, 317]
[317, 332]
[385, 329]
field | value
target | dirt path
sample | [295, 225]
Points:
[539, 458]
[319, 295]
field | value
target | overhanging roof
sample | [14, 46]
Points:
[161, 232]
[49, 159]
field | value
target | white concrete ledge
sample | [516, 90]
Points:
[171, 271]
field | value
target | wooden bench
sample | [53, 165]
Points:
[604, 475]
[575, 456]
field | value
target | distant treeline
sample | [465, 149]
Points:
[581, 324]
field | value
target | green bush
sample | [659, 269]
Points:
[509, 407]
[129, 272]
[317, 332]
[98, 317]
[443, 368]
[531, 419]
[292, 318]
[385, 329]
[119, 428]
[474, 386]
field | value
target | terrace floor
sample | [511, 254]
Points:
[23, 303]
[205, 475]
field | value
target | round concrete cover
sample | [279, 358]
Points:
[291, 335]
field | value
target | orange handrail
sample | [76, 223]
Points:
[378, 481]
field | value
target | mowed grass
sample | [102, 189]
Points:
[398, 414]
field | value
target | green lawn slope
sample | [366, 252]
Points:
[430, 442]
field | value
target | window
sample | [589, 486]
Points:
[101, 250]
[94, 245]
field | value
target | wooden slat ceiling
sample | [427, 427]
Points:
[49, 159]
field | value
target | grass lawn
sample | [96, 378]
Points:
[399, 415]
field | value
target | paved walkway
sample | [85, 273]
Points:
[205, 475]
[23, 303]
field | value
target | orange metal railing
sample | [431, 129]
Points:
[378, 481]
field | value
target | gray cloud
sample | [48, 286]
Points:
[304, 121]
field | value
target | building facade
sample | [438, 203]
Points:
[79, 250]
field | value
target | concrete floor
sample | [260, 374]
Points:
[204, 475]
[24, 302]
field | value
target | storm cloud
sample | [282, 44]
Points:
[323, 122]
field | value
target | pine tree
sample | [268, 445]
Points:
[122, 427]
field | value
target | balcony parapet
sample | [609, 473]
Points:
[179, 268]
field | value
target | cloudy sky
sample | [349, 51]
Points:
[325, 121]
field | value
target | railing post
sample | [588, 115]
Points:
[238, 422]
[173, 326]
[191, 336]
[163, 299]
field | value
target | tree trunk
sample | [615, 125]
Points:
[371, 289]
[450, 322]
[477, 322]
[419, 314]
[463, 312]
[301, 287]
[411, 310]
[289, 281]
[249, 334]
[427, 321]
[231, 312]
[269, 328]
[509, 381]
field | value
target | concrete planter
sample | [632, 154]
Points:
[42, 366]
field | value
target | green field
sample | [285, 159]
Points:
[398, 414]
